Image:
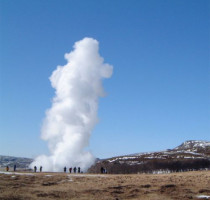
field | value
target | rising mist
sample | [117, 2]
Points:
[68, 123]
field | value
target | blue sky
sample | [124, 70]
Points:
[158, 96]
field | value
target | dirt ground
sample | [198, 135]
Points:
[30, 186]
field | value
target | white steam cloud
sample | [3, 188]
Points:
[68, 123]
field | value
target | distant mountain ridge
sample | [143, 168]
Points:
[190, 155]
[18, 161]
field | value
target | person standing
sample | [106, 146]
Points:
[70, 169]
[14, 168]
[75, 169]
[35, 168]
[78, 169]
[7, 168]
[102, 170]
[40, 168]
[64, 169]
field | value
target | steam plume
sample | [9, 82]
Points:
[68, 123]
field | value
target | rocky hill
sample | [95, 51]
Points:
[11, 161]
[191, 155]
[195, 146]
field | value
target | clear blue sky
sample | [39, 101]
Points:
[158, 96]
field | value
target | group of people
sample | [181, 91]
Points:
[103, 170]
[71, 170]
[35, 169]
[75, 170]
[7, 168]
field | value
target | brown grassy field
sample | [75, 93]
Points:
[187, 185]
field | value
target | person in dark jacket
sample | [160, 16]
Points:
[35, 168]
[102, 170]
[64, 169]
[75, 170]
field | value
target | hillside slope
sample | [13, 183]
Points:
[11, 161]
[190, 155]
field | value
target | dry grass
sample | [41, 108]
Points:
[47, 186]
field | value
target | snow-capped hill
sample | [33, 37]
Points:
[194, 146]
[190, 155]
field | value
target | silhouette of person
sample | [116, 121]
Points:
[35, 168]
[40, 168]
[7, 168]
[75, 169]
[70, 169]
[78, 169]
[102, 170]
[14, 168]
[64, 169]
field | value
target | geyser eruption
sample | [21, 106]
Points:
[68, 123]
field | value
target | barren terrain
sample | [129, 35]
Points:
[186, 185]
